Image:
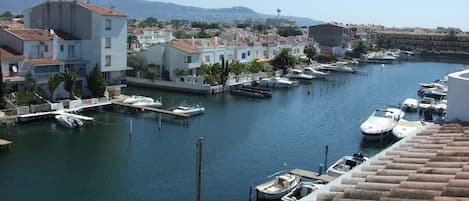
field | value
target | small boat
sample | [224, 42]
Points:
[345, 164]
[301, 191]
[68, 121]
[133, 99]
[440, 107]
[276, 188]
[296, 74]
[315, 72]
[189, 110]
[404, 128]
[148, 102]
[337, 67]
[396, 111]
[381, 59]
[427, 103]
[410, 104]
[276, 82]
[379, 124]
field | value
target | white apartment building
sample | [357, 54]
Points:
[152, 35]
[101, 33]
[191, 54]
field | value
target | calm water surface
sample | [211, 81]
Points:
[245, 141]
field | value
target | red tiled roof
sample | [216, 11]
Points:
[44, 62]
[8, 53]
[31, 34]
[185, 45]
[65, 36]
[431, 165]
[102, 11]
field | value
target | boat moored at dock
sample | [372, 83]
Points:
[379, 124]
[276, 188]
[345, 164]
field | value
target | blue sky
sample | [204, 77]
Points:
[399, 13]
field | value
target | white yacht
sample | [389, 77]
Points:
[337, 67]
[315, 72]
[345, 164]
[427, 103]
[379, 124]
[410, 104]
[133, 99]
[148, 102]
[189, 110]
[68, 121]
[381, 58]
[296, 74]
[276, 82]
[276, 188]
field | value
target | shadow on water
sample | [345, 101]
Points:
[372, 147]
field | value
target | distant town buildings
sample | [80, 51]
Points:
[332, 38]
[149, 36]
[65, 35]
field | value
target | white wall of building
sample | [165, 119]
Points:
[458, 96]
[118, 36]
[37, 49]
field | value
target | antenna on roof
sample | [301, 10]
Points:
[88, 2]
[112, 9]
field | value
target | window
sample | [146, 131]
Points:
[243, 55]
[46, 48]
[187, 59]
[207, 59]
[108, 42]
[71, 51]
[108, 24]
[61, 48]
[108, 60]
[249, 53]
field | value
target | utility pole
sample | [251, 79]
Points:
[198, 167]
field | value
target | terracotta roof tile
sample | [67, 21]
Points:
[185, 45]
[102, 11]
[8, 53]
[44, 62]
[433, 165]
[32, 34]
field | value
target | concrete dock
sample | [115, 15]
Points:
[312, 175]
[156, 110]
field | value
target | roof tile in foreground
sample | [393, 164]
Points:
[431, 165]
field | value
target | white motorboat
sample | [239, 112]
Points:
[440, 107]
[296, 74]
[405, 128]
[315, 72]
[396, 112]
[379, 124]
[276, 188]
[133, 99]
[381, 59]
[189, 110]
[337, 67]
[345, 164]
[426, 103]
[410, 104]
[68, 121]
[301, 191]
[276, 82]
[148, 102]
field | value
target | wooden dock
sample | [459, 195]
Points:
[312, 175]
[160, 111]
[5, 143]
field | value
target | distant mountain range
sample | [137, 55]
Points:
[165, 11]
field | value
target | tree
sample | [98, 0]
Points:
[256, 66]
[310, 51]
[69, 79]
[134, 61]
[284, 60]
[29, 82]
[385, 42]
[53, 82]
[131, 39]
[360, 49]
[7, 15]
[96, 83]
[237, 68]
[152, 70]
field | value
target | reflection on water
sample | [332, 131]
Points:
[246, 140]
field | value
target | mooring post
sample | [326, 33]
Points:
[198, 167]
[325, 157]
[159, 121]
[130, 132]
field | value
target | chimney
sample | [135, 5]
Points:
[216, 40]
[193, 41]
[111, 10]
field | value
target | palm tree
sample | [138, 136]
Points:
[54, 81]
[284, 60]
[69, 79]
[310, 52]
